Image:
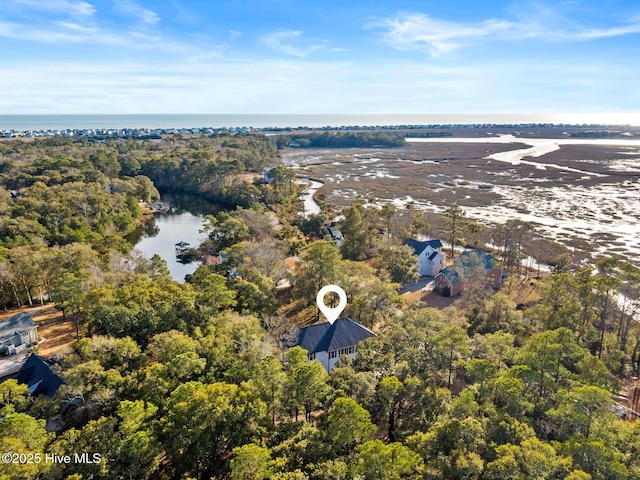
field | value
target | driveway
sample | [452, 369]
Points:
[12, 363]
[425, 283]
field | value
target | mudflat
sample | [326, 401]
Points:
[582, 191]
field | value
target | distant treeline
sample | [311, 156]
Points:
[424, 134]
[341, 140]
[599, 134]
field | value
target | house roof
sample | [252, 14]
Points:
[335, 233]
[326, 337]
[464, 264]
[433, 255]
[418, 247]
[38, 376]
[22, 322]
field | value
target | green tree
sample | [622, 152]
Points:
[579, 408]
[454, 343]
[388, 212]
[593, 456]
[360, 231]
[306, 383]
[226, 230]
[67, 295]
[531, 459]
[212, 291]
[347, 425]
[14, 396]
[205, 422]
[450, 447]
[269, 379]
[319, 266]
[389, 400]
[455, 214]
[377, 461]
[251, 462]
[548, 357]
[255, 292]
[400, 263]
[22, 434]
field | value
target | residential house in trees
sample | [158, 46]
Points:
[39, 377]
[430, 257]
[325, 342]
[18, 332]
[335, 234]
[469, 265]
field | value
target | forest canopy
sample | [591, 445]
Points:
[200, 379]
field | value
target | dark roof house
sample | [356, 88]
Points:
[418, 246]
[325, 342]
[38, 376]
[430, 259]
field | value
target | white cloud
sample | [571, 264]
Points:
[417, 31]
[281, 41]
[132, 8]
[72, 8]
[265, 85]
[413, 31]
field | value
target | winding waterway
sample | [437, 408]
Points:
[310, 204]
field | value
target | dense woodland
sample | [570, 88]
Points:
[193, 380]
[333, 139]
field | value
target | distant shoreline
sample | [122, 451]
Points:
[482, 130]
[268, 122]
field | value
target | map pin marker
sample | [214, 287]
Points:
[331, 314]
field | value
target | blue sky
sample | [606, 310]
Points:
[291, 56]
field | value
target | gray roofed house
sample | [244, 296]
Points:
[325, 342]
[335, 234]
[38, 376]
[419, 246]
[18, 331]
[430, 258]
[450, 281]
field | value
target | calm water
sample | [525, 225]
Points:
[58, 122]
[181, 223]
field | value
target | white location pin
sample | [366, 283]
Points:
[331, 314]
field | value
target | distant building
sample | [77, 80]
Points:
[471, 263]
[181, 248]
[18, 332]
[430, 257]
[266, 177]
[335, 234]
[325, 342]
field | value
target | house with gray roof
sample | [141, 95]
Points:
[325, 342]
[471, 263]
[431, 259]
[39, 377]
[18, 332]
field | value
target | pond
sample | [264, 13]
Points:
[181, 223]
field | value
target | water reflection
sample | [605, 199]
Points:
[182, 223]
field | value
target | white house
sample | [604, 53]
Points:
[325, 342]
[17, 331]
[430, 257]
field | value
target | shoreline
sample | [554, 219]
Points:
[434, 131]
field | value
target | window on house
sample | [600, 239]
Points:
[312, 356]
[333, 354]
